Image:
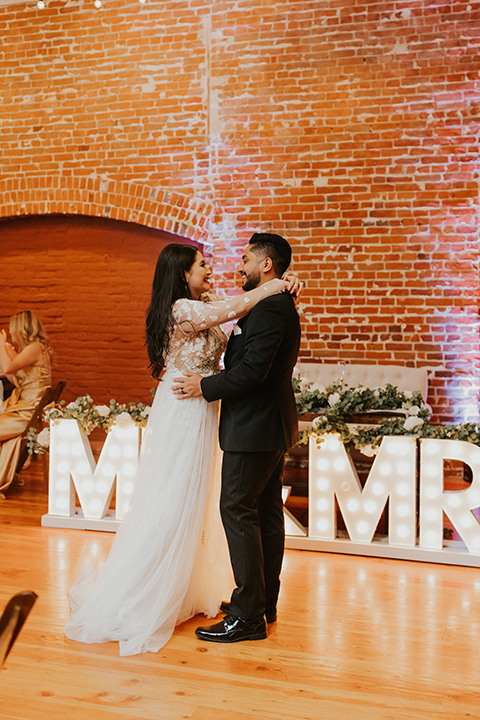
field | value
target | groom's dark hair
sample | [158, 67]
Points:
[275, 247]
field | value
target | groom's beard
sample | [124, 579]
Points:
[250, 282]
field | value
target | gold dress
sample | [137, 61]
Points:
[15, 412]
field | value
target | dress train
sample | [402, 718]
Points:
[169, 559]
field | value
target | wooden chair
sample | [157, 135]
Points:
[12, 620]
[51, 395]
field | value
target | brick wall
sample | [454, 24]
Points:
[349, 127]
[89, 280]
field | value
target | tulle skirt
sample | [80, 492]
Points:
[169, 558]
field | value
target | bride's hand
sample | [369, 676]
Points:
[294, 285]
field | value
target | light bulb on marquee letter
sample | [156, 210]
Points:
[72, 465]
[434, 501]
[392, 477]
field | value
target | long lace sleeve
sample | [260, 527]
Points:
[195, 315]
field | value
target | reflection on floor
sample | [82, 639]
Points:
[358, 638]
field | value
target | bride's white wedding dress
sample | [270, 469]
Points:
[169, 559]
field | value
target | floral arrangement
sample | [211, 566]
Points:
[336, 406]
[334, 409]
[89, 416]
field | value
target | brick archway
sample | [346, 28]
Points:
[159, 208]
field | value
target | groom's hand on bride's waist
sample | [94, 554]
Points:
[187, 386]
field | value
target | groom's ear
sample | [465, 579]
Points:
[267, 265]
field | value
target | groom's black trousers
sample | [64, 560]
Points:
[252, 513]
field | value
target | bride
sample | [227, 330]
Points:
[169, 559]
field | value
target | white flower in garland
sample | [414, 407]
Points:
[123, 420]
[413, 410]
[43, 438]
[412, 422]
[72, 406]
[333, 399]
[102, 410]
[369, 451]
[146, 411]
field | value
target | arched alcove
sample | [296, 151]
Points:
[89, 279]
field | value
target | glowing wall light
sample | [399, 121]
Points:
[72, 465]
[434, 501]
[392, 476]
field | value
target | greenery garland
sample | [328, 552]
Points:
[333, 408]
[89, 416]
[337, 405]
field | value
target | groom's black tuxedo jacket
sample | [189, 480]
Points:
[258, 410]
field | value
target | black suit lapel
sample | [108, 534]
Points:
[235, 344]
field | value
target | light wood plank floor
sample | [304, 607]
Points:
[356, 638]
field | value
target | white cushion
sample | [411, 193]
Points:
[370, 376]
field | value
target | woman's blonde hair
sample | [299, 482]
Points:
[26, 328]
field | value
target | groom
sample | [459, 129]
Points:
[258, 423]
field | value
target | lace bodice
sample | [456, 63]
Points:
[197, 342]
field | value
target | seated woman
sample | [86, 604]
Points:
[30, 371]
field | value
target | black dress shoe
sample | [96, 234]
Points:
[270, 615]
[233, 629]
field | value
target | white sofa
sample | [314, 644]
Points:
[370, 376]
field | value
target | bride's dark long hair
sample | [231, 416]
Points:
[169, 285]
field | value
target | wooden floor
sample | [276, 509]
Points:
[356, 639]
